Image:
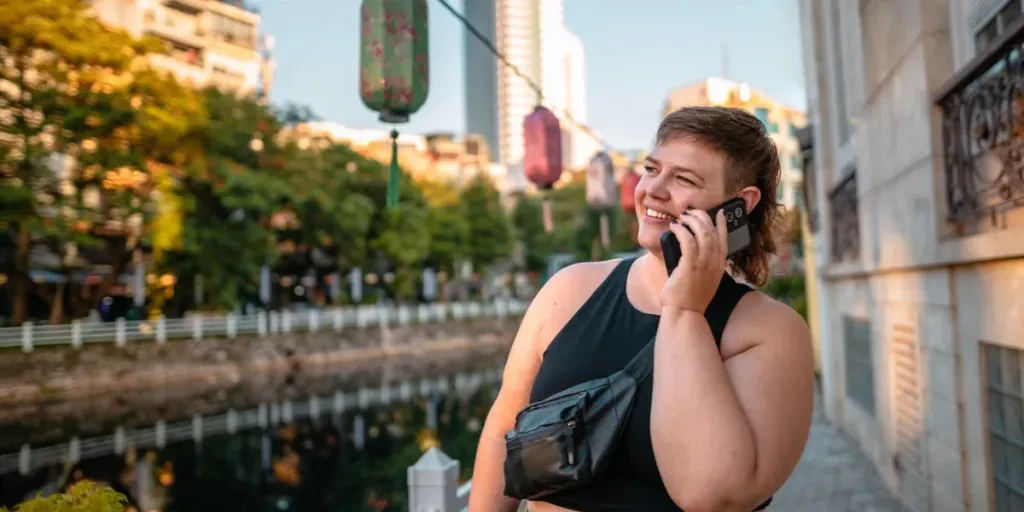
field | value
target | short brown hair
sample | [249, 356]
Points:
[751, 158]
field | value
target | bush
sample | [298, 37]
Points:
[82, 497]
[791, 290]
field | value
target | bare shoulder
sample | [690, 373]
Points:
[564, 294]
[761, 320]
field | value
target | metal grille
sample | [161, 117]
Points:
[844, 209]
[860, 369]
[1004, 394]
[908, 417]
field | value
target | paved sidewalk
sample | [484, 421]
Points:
[833, 476]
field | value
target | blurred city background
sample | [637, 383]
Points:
[270, 255]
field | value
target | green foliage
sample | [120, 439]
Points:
[791, 290]
[490, 230]
[528, 218]
[84, 496]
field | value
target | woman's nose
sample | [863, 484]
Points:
[658, 188]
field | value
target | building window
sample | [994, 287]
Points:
[844, 209]
[839, 74]
[762, 115]
[1004, 393]
[1003, 19]
[794, 163]
[234, 31]
[859, 363]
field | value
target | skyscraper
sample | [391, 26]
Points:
[531, 34]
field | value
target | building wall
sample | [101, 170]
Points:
[902, 324]
[198, 30]
[482, 75]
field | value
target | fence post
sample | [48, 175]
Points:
[25, 458]
[314, 321]
[197, 328]
[119, 332]
[261, 323]
[161, 330]
[231, 325]
[76, 334]
[286, 321]
[275, 322]
[26, 337]
[339, 319]
[433, 483]
[403, 315]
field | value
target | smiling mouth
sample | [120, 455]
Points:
[655, 214]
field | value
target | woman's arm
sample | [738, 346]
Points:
[727, 435]
[554, 304]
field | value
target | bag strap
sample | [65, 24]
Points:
[642, 364]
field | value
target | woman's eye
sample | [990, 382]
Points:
[684, 179]
[651, 170]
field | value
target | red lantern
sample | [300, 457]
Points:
[627, 189]
[542, 137]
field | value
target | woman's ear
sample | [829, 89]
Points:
[751, 196]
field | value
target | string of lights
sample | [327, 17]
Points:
[533, 85]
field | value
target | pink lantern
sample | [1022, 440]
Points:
[627, 189]
[542, 137]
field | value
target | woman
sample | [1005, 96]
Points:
[723, 421]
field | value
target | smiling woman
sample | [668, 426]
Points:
[723, 420]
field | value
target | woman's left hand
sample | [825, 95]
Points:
[704, 249]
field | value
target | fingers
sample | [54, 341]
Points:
[687, 245]
[705, 235]
[723, 232]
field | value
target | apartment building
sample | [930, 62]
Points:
[915, 193]
[213, 42]
[439, 156]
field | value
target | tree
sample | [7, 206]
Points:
[85, 116]
[84, 496]
[449, 235]
[490, 230]
[528, 218]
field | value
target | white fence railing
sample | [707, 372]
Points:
[265, 415]
[197, 326]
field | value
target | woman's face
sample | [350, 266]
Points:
[679, 174]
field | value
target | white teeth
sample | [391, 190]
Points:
[657, 215]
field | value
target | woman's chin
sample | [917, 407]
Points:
[650, 242]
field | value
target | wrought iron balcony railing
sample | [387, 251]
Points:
[983, 130]
[844, 210]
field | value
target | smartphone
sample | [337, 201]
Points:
[736, 224]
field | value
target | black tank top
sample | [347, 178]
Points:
[599, 340]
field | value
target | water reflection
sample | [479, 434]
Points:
[307, 448]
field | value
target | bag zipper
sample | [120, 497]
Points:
[541, 404]
[571, 446]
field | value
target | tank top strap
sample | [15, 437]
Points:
[727, 296]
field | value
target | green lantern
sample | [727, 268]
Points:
[394, 75]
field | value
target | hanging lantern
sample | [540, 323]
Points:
[601, 182]
[394, 75]
[542, 155]
[627, 190]
[601, 191]
[627, 200]
[542, 158]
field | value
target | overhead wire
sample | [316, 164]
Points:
[515, 69]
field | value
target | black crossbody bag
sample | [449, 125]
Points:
[568, 438]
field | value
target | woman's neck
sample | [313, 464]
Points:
[645, 281]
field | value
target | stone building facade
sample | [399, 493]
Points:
[915, 189]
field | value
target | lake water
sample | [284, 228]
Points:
[323, 439]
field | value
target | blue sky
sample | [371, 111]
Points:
[636, 52]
